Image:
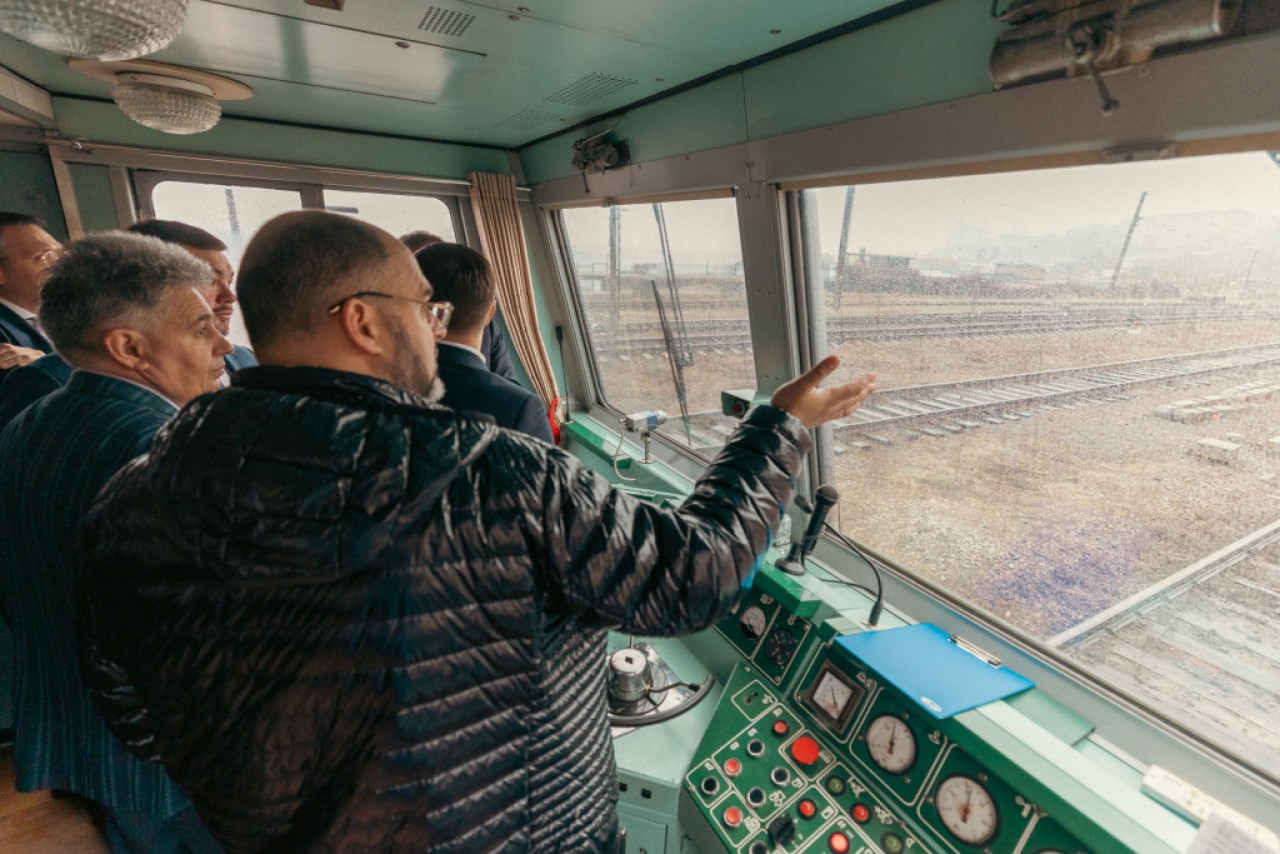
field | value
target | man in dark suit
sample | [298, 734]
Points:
[493, 344]
[220, 295]
[462, 276]
[26, 253]
[127, 313]
[23, 386]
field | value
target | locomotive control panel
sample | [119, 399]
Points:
[802, 747]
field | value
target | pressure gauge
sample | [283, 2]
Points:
[891, 744]
[967, 809]
[752, 622]
[780, 646]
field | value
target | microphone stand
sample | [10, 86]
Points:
[877, 607]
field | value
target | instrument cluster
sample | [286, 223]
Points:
[903, 752]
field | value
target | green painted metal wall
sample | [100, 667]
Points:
[928, 56]
[104, 123]
[27, 186]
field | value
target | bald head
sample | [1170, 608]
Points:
[300, 263]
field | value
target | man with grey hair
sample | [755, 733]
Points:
[126, 313]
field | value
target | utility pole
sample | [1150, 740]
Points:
[233, 216]
[1124, 249]
[614, 283]
[1244, 289]
[843, 250]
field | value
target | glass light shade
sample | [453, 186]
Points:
[169, 110]
[104, 29]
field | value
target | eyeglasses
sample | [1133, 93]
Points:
[441, 311]
[48, 256]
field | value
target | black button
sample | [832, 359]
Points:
[780, 776]
[755, 796]
[710, 785]
[758, 848]
[755, 747]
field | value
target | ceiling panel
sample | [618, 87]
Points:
[485, 73]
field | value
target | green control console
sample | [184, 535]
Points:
[810, 750]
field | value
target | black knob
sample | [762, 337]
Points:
[782, 829]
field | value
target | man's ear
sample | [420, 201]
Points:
[128, 348]
[363, 327]
[493, 309]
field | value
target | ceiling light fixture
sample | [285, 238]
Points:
[104, 29]
[163, 97]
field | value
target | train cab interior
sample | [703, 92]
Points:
[1042, 613]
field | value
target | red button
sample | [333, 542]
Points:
[860, 813]
[805, 750]
[808, 808]
[733, 767]
[838, 842]
[733, 816]
[781, 728]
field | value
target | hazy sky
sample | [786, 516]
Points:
[914, 217]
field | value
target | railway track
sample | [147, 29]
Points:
[995, 400]
[734, 336]
[943, 409]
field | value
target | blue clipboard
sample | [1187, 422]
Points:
[925, 664]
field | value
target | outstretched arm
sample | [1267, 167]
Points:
[619, 561]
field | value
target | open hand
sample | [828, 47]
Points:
[13, 356]
[812, 405]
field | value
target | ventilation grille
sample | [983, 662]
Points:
[445, 22]
[589, 88]
[526, 119]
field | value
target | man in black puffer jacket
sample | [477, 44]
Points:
[348, 620]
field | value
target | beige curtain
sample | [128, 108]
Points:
[493, 199]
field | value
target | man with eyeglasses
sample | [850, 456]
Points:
[348, 620]
[27, 252]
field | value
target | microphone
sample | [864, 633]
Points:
[793, 563]
[878, 606]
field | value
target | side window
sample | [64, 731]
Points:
[232, 213]
[395, 212]
[1078, 427]
[662, 290]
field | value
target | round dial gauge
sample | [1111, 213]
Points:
[891, 744]
[967, 810]
[752, 622]
[780, 646]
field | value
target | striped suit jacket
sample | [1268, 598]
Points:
[54, 458]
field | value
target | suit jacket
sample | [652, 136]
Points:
[27, 384]
[494, 347]
[471, 387]
[23, 386]
[54, 458]
[15, 330]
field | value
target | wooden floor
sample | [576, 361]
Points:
[38, 823]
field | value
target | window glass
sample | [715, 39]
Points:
[394, 212]
[231, 213]
[662, 290]
[1078, 427]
